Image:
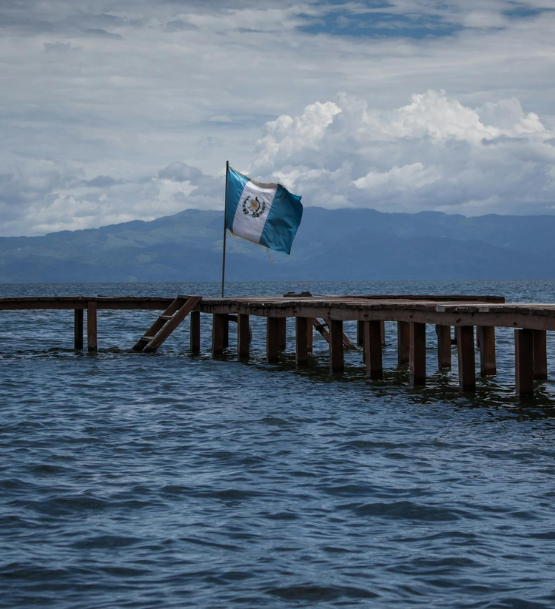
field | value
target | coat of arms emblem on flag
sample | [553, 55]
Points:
[267, 214]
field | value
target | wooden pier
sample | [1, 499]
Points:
[474, 319]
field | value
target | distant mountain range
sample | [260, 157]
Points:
[346, 244]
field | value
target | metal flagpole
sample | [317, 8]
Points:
[225, 226]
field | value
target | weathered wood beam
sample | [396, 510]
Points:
[524, 363]
[310, 335]
[194, 332]
[443, 347]
[78, 328]
[403, 343]
[157, 302]
[373, 349]
[302, 326]
[418, 354]
[272, 339]
[92, 344]
[360, 334]
[219, 322]
[282, 331]
[243, 336]
[540, 355]
[225, 331]
[467, 360]
[486, 343]
[528, 318]
[336, 345]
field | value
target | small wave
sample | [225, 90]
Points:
[106, 541]
[406, 510]
[314, 593]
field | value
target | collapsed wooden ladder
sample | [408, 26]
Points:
[166, 323]
[323, 329]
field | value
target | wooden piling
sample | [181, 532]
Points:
[272, 339]
[403, 343]
[92, 344]
[336, 345]
[360, 334]
[373, 349]
[78, 315]
[225, 331]
[302, 326]
[194, 333]
[467, 361]
[219, 324]
[486, 343]
[309, 334]
[243, 336]
[382, 333]
[282, 333]
[524, 363]
[417, 354]
[443, 347]
[540, 355]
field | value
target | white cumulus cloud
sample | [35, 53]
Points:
[433, 153]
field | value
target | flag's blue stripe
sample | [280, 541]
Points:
[283, 221]
[235, 184]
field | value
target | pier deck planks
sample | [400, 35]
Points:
[440, 310]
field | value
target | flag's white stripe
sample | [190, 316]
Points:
[244, 224]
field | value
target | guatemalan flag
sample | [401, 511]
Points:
[267, 214]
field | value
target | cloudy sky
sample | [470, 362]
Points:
[114, 111]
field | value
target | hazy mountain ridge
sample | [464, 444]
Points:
[331, 244]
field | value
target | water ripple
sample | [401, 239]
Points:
[139, 481]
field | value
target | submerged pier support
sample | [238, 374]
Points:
[540, 354]
[194, 334]
[373, 349]
[225, 331]
[417, 354]
[524, 363]
[336, 346]
[273, 339]
[360, 334]
[403, 343]
[302, 327]
[243, 336]
[486, 343]
[92, 344]
[282, 333]
[443, 347]
[467, 360]
[78, 315]
[219, 324]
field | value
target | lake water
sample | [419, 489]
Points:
[167, 480]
